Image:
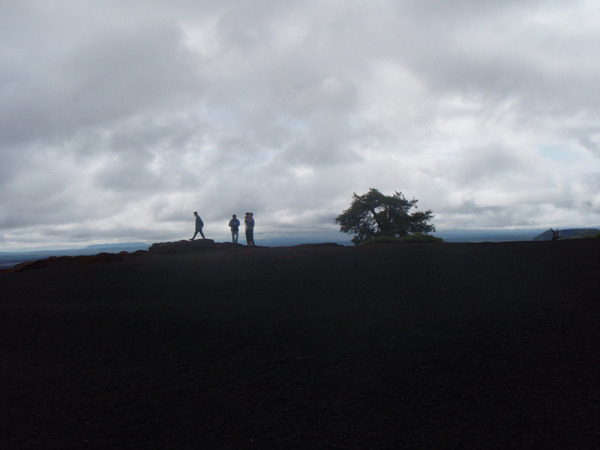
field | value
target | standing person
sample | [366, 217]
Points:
[249, 221]
[199, 225]
[234, 224]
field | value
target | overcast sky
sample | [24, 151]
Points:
[120, 118]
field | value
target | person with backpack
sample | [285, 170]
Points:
[234, 224]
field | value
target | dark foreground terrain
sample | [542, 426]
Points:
[443, 345]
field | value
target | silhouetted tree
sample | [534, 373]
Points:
[374, 214]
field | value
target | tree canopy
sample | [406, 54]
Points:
[374, 214]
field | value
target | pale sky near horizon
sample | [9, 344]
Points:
[120, 118]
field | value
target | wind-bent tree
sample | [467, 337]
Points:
[374, 214]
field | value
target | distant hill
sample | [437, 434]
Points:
[573, 233]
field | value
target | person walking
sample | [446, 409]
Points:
[249, 221]
[199, 226]
[234, 224]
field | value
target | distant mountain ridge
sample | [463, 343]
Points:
[572, 233]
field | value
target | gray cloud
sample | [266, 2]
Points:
[119, 118]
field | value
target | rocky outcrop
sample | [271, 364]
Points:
[187, 246]
[100, 258]
[184, 246]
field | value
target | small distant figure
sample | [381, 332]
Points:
[234, 224]
[249, 221]
[199, 226]
[555, 235]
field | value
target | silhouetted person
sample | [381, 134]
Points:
[249, 221]
[199, 225]
[234, 224]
